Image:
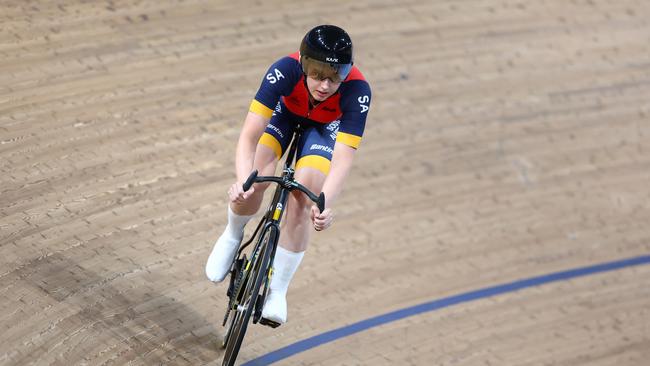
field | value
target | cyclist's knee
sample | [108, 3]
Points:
[311, 178]
[299, 201]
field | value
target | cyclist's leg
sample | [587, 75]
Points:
[311, 170]
[297, 225]
[312, 167]
[294, 237]
[269, 150]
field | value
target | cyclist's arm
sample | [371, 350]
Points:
[355, 107]
[342, 158]
[254, 126]
[279, 80]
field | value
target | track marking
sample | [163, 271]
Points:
[335, 334]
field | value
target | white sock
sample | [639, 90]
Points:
[236, 223]
[285, 265]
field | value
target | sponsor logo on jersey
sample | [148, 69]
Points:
[334, 128]
[324, 148]
[276, 130]
[334, 125]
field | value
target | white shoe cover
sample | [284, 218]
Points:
[275, 308]
[221, 257]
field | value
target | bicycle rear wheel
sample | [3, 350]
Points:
[244, 309]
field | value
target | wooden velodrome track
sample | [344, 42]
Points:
[506, 140]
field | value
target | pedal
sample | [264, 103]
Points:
[269, 323]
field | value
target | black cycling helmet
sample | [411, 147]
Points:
[328, 50]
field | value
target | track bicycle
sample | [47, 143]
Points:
[250, 277]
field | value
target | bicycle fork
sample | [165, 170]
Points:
[274, 220]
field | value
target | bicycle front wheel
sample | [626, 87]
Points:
[244, 309]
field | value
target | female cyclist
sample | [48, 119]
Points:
[321, 88]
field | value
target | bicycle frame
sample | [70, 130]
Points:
[261, 258]
[286, 184]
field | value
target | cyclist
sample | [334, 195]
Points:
[320, 88]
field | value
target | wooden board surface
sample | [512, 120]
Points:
[506, 140]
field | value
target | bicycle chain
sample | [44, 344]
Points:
[236, 290]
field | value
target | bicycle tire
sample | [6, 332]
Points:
[241, 318]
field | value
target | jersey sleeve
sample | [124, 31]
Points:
[355, 104]
[279, 80]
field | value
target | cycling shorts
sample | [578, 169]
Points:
[316, 143]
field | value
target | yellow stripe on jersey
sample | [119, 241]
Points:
[259, 108]
[270, 141]
[314, 161]
[348, 139]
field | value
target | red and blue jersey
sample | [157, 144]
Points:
[285, 82]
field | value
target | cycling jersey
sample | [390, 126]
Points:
[285, 82]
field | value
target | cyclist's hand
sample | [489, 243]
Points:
[321, 220]
[237, 194]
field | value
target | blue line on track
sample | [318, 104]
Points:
[347, 330]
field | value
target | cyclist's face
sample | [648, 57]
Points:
[322, 80]
[321, 88]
